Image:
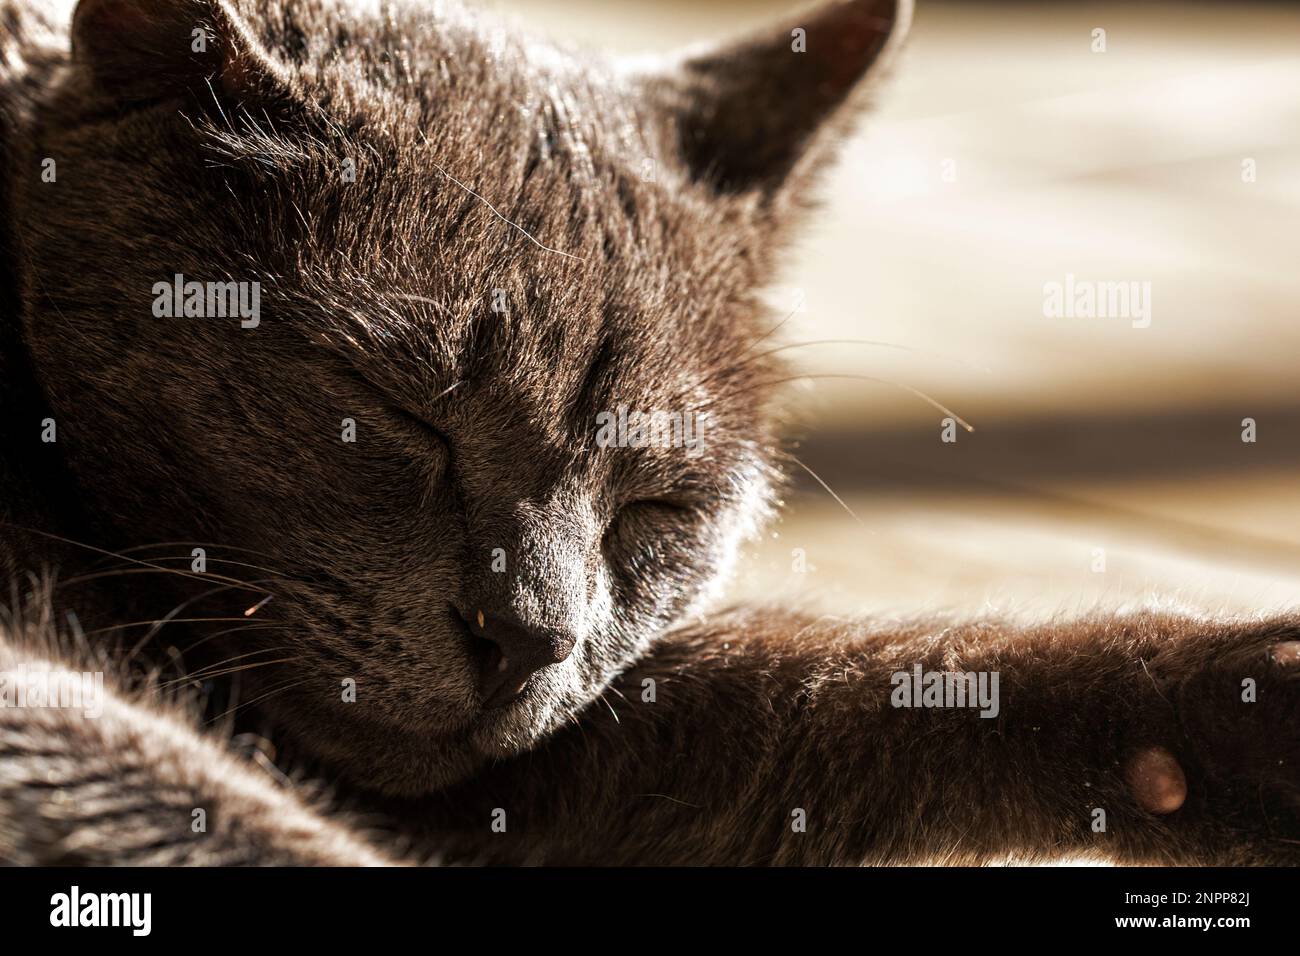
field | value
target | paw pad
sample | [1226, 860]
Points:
[1286, 654]
[1156, 780]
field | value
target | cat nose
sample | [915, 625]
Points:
[514, 653]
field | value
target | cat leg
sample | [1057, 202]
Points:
[116, 781]
[765, 738]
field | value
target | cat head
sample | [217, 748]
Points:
[446, 339]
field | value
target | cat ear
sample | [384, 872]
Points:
[762, 114]
[155, 49]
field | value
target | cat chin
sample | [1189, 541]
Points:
[509, 733]
[401, 762]
[377, 748]
[420, 773]
[413, 768]
[409, 766]
[392, 762]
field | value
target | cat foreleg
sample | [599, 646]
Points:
[766, 738]
[92, 776]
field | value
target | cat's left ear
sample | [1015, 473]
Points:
[138, 50]
[762, 115]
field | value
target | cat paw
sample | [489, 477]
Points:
[1221, 772]
[1156, 780]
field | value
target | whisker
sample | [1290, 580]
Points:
[830, 491]
[275, 690]
[210, 675]
[222, 670]
[170, 617]
[772, 331]
[156, 569]
[212, 559]
[115, 554]
[449, 389]
[153, 621]
[610, 706]
[111, 554]
[875, 343]
[411, 297]
[929, 400]
[232, 630]
[206, 545]
[526, 233]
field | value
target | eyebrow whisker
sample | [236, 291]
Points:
[531, 238]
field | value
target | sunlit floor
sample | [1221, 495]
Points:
[1107, 465]
[1229, 545]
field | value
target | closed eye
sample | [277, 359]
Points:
[661, 504]
[645, 514]
[394, 410]
[397, 411]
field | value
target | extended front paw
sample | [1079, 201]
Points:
[1217, 770]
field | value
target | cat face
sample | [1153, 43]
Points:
[486, 408]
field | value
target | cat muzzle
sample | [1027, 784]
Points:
[510, 654]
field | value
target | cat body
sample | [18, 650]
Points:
[366, 515]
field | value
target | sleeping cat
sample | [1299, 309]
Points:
[312, 313]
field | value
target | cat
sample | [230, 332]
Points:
[370, 528]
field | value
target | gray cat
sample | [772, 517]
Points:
[321, 328]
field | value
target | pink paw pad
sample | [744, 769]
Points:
[1286, 654]
[1156, 780]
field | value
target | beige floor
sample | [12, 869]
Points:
[1090, 433]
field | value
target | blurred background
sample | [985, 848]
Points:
[1107, 464]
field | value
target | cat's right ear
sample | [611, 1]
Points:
[150, 50]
